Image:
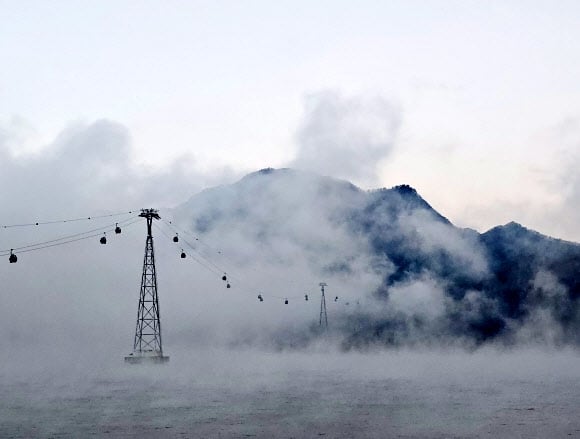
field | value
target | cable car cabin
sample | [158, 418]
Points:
[117, 228]
[260, 298]
[13, 259]
[103, 240]
[224, 277]
[228, 286]
[176, 238]
[336, 299]
[285, 301]
[182, 254]
[306, 297]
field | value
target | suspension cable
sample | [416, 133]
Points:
[70, 220]
[67, 238]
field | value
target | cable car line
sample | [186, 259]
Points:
[227, 273]
[94, 235]
[177, 230]
[197, 238]
[206, 259]
[71, 220]
[66, 239]
[108, 226]
[216, 269]
[58, 243]
[115, 228]
[193, 257]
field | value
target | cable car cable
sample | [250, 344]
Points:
[198, 239]
[71, 220]
[170, 225]
[63, 238]
[64, 242]
[193, 257]
[236, 278]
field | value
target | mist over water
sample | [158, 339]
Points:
[400, 273]
[218, 392]
[405, 357]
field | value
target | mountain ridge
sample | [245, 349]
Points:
[490, 286]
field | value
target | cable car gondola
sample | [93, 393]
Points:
[103, 239]
[182, 254]
[13, 258]
[176, 238]
[117, 228]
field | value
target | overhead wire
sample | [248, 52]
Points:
[197, 256]
[69, 238]
[64, 242]
[176, 230]
[235, 277]
[250, 289]
[207, 266]
[215, 251]
[70, 220]
[206, 257]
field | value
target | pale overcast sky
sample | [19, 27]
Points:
[481, 98]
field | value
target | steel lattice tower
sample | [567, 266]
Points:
[323, 316]
[147, 343]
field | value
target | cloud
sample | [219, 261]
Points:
[553, 204]
[346, 137]
[431, 237]
[563, 183]
[88, 167]
[83, 293]
[421, 297]
[409, 276]
[571, 182]
[287, 230]
[548, 304]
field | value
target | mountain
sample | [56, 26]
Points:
[421, 279]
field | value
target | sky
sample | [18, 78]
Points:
[475, 104]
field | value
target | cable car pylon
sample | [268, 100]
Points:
[147, 347]
[323, 321]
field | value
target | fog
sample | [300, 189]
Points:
[394, 361]
[347, 136]
[398, 273]
[212, 392]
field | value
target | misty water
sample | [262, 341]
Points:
[315, 393]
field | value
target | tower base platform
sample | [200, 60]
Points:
[146, 358]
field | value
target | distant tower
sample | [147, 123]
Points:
[323, 316]
[147, 345]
